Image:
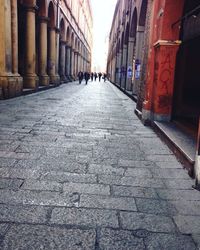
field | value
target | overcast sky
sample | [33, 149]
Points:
[103, 11]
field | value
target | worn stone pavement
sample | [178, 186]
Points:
[78, 170]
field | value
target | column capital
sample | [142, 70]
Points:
[51, 28]
[30, 7]
[63, 42]
[43, 19]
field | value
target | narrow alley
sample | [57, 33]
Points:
[78, 170]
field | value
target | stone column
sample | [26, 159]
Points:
[14, 33]
[124, 66]
[76, 64]
[119, 67]
[52, 55]
[43, 77]
[68, 62]
[57, 45]
[131, 48]
[10, 81]
[30, 78]
[72, 63]
[138, 53]
[62, 60]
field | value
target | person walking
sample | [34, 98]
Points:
[92, 76]
[80, 76]
[104, 76]
[95, 76]
[100, 75]
[87, 77]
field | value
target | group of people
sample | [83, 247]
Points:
[93, 76]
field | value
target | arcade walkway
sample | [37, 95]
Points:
[78, 170]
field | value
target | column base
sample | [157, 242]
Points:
[31, 82]
[55, 80]
[44, 80]
[10, 86]
[63, 79]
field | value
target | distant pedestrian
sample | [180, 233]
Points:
[104, 76]
[87, 77]
[95, 76]
[100, 75]
[80, 76]
[92, 76]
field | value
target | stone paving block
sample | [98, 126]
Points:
[149, 222]
[20, 173]
[44, 198]
[6, 162]
[23, 214]
[139, 172]
[169, 241]
[178, 183]
[4, 227]
[119, 240]
[118, 203]
[41, 185]
[102, 169]
[69, 177]
[85, 188]
[10, 183]
[134, 192]
[84, 217]
[187, 224]
[131, 181]
[162, 158]
[135, 164]
[170, 173]
[18, 156]
[166, 164]
[196, 238]
[46, 237]
[155, 206]
[173, 194]
[186, 207]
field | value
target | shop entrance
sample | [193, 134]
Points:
[186, 106]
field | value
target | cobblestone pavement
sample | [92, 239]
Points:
[78, 170]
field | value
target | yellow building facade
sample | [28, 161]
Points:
[43, 43]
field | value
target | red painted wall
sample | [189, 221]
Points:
[162, 57]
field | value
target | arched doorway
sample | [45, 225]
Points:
[186, 105]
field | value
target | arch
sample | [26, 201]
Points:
[42, 7]
[143, 13]
[51, 15]
[133, 27]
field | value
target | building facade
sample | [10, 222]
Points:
[154, 55]
[43, 43]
